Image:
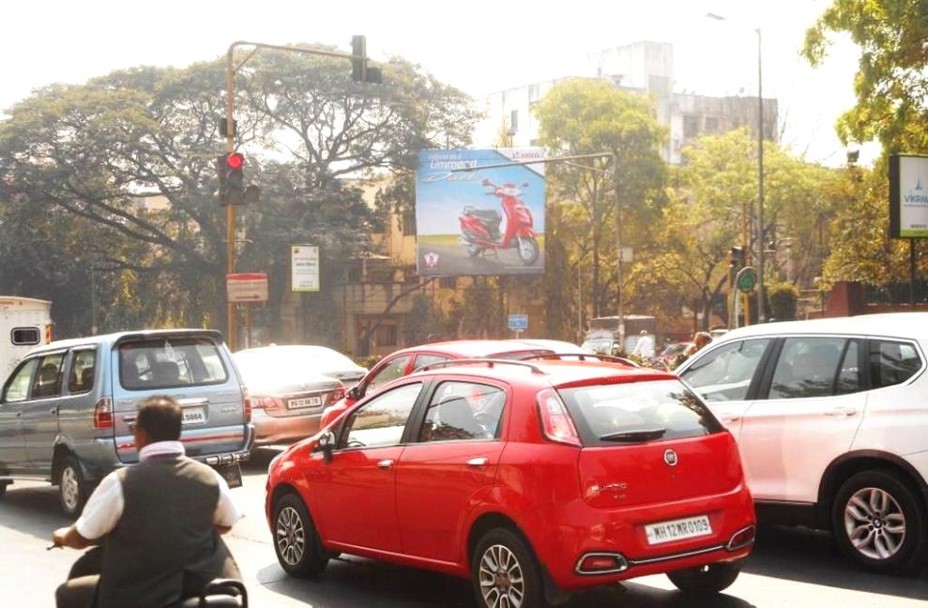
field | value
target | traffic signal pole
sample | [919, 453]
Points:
[367, 75]
[231, 324]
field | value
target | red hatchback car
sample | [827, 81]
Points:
[533, 479]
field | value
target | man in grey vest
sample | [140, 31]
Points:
[158, 523]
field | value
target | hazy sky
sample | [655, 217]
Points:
[479, 46]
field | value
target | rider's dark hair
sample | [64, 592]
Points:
[160, 417]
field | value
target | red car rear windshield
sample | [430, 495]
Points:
[633, 412]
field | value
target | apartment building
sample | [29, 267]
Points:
[644, 68]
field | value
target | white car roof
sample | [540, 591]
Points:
[899, 324]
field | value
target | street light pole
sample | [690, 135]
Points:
[761, 315]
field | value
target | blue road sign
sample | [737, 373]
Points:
[518, 322]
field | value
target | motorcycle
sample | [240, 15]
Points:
[480, 228]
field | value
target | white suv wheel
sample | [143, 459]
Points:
[879, 521]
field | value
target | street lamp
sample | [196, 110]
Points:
[761, 315]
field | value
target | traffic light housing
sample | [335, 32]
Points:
[231, 171]
[737, 258]
[360, 72]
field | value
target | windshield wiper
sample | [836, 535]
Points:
[637, 435]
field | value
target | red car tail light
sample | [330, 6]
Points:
[336, 395]
[556, 423]
[103, 414]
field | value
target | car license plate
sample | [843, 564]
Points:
[305, 402]
[678, 529]
[232, 473]
[194, 415]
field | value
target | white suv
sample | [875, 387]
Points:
[831, 418]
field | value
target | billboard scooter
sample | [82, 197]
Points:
[480, 227]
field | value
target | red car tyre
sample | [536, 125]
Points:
[505, 573]
[295, 540]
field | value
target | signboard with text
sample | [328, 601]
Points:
[246, 287]
[908, 196]
[304, 268]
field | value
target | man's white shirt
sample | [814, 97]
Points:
[105, 505]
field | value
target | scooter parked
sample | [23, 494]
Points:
[480, 228]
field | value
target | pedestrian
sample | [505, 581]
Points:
[158, 524]
[700, 339]
[644, 348]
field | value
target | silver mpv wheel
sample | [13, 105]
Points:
[72, 489]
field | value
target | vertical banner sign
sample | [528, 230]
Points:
[480, 212]
[908, 194]
[304, 268]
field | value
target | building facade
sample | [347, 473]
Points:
[643, 68]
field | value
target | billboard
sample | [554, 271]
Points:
[475, 217]
[908, 196]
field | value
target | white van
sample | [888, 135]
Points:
[24, 324]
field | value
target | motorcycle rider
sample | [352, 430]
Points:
[158, 523]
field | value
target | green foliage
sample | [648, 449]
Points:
[86, 155]
[891, 80]
[782, 298]
[583, 116]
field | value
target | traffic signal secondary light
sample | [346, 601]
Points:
[360, 72]
[737, 258]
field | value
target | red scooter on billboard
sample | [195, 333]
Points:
[480, 227]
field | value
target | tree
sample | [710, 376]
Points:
[582, 116]
[712, 210]
[891, 80]
[96, 151]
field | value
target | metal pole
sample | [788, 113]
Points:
[761, 315]
[618, 243]
[230, 209]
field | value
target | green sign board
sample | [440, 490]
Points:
[746, 279]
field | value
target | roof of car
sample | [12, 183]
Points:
[476, 348]
[114, 337]
[884, 324]
[557, 371]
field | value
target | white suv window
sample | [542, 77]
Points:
[725, 373]
[811, 367]
[892, 362]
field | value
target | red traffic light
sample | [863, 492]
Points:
[235, 161]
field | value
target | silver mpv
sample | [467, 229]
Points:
[67, 409]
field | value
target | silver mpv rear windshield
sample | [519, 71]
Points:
[168, 362]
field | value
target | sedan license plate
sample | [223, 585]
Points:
[678, 529]
[305, 402]
[232, 473]
[194, 415]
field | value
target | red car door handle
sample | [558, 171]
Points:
[385, 464]
[841, 411]
[477, 462]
